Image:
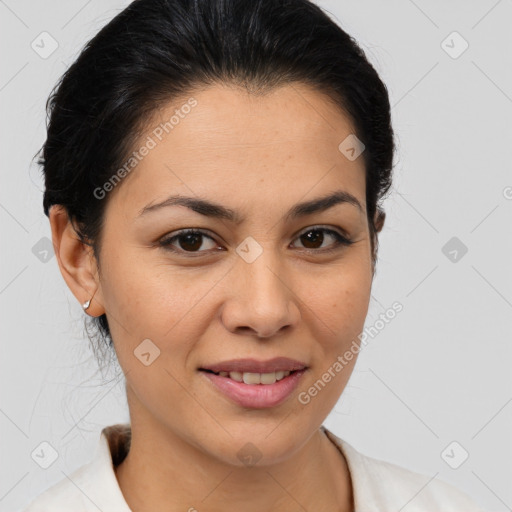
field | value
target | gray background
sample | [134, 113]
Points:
[438, 373]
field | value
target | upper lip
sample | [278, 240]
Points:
[255, 366]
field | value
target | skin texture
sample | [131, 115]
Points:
[258, 155]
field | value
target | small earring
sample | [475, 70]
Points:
[87, 303]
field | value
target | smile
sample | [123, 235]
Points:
[255, 390]
[254, 378]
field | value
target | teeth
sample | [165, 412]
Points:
[256, 378]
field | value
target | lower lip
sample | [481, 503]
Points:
[256, 395]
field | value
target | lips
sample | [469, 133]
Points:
[283, 364]
[252, 394]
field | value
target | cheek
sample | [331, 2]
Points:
[339, 298]
[157, 302]
[336, 317]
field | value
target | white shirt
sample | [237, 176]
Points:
[378, 486]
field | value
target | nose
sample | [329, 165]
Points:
[260, 298]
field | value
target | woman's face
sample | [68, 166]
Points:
[267, 283]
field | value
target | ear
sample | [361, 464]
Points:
[76, 261]
[380, 217]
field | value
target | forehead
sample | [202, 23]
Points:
[226, 143]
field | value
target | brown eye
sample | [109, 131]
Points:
[191, 242]
[188, 241]
[311, 239]
[314, 238]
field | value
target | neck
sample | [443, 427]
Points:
[164, 471]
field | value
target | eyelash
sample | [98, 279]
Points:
[341, 241]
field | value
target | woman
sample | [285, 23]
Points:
[214, 173]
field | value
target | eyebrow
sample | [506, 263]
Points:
[215, 210]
